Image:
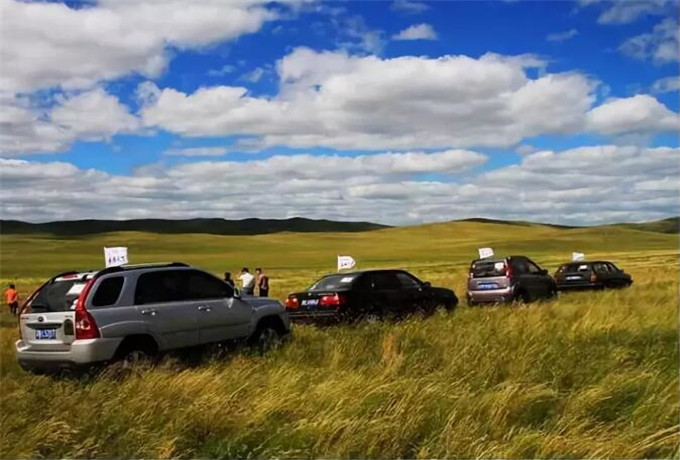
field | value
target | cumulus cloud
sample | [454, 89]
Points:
[660, 46]
[632, 115]
[562, 36]
[51, 44]
[583, 185]
[197, 152]
[417, 32]
[336, 100]
[625, 12]
[409, 6]
[93, 115]
[666, 85]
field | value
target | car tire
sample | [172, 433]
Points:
[522, 297]
[266, 338]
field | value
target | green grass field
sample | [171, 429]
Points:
[588, 375]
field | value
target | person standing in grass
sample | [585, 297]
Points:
[12, 297]
[247, 282]
[262, 282]
[229, 280]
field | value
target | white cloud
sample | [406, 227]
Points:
[49, 44]
[625, 12]
[562, 36]
[197, 152]
[417, 32]
[409, 6]
[632, 115]
[577, 186]
[93, 115]
[253, 76]
[660, 46]
[222, 71]
[666, 85]
[336, 100]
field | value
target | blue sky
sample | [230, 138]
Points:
[427, 111]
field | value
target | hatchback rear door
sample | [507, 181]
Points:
[488, 275]
[49, 323]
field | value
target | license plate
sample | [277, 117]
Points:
[570, 278]
[46, 334]
[487, 286]
[310, 302]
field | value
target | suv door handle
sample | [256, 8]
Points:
[150, 312]
[204, 308]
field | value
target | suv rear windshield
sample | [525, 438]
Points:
[58, 296]
[487, 268]
[333, 282]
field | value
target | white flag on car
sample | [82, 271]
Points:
[576, 256]
[485, 252]
[115, 256]
[346, 262]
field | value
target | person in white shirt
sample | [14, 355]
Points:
[247, 282]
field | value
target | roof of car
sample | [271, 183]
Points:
[587, 262]
[87, 274]
[360, 272]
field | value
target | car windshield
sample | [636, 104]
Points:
[488, 268]
[333, 282]
[58, 296]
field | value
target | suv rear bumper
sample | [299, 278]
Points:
[490, 296]
[82, 353]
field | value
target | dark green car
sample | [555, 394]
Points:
[591, 275]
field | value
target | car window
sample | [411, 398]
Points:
[159, 286]
[533, 268]
[487, 268]
[612, 268]
[58, 296]
[407, 281]
[520, 265]
[108, 292]
[600, 268]
[204, 286]
[333, 282]
[385, 281]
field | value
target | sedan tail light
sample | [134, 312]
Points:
[334, 300]
[292, 303]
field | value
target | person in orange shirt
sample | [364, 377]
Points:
[12, 297]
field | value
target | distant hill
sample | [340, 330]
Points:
[521, 223]
[207, 226]
[670, 225]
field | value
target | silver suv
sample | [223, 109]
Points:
[121, 313]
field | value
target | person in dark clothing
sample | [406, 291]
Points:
[262, 282]
[229, 280]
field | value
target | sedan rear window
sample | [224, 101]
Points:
[58, 296]
[333, 282]
[488, 269]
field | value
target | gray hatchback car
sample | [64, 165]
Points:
[121, 313]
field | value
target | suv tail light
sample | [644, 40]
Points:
[335, 300]
[86, 326]
[508, 271]
[593, 278]
[292, 303]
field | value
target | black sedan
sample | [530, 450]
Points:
[373, 294]
[591, 275]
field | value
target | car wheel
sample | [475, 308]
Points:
[267, 338]
[522, 297]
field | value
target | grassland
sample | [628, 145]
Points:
[589, 375]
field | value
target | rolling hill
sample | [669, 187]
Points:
[207, 226]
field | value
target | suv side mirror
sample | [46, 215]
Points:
[543, 272]
[427, 285]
